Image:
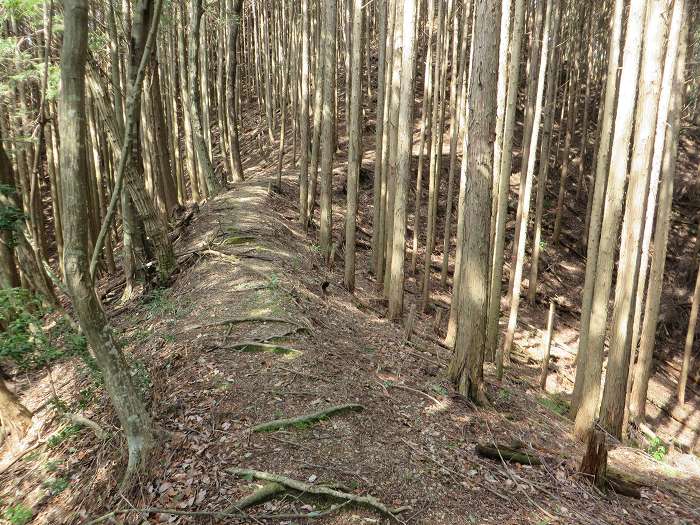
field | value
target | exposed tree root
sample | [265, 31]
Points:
[254, 346]
[238, 516]
[319, 490]
[82, 421]
[306, 419]
[252, 319]
[263, 494]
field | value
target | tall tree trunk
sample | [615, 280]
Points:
[403, 159]
[304, 116]
[118, 380]
[466, 367]
[665, 153]
[527, 173]
[624, 120]
[614, 393]
[355, 145]
[597, 202]
[496, 273]
[196, 111]
[327, 144]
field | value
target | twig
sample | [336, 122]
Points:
[409, 389]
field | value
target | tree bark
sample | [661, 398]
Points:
[611, 220]
[466, 368]
[118, 381]
[596, 214]
[355, 145]
[15, 418]
[328, 124]
[403, 159]
[666, 148]
[202, 151]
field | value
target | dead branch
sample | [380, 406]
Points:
[499, 452]
[82, 421]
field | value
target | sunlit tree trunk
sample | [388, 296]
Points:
[327, 143]
[597, 202]
[527, 172]
[665, 153]
[624, 120]
[466, 367]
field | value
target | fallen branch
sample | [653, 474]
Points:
[306, 419]
[499, 452]
[369, 501]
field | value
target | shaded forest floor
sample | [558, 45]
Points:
[244, 258]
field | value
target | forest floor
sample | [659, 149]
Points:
[248, 275]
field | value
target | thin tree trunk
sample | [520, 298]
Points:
[304, 116]
[528, 174]
[403, 159]
[596, 214]
[118, 380]
[665, 153]
[496, 273]
[327, 145]
[355, 145]
[196, 109]
[624, 120]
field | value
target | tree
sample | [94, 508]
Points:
[304, 116]
[611, 220]
[665, 153]
[466, 366]
[524, 204]
[597, 202]
[203, 160]
[403, 159]
[504, 169]
[328, 124]
[235, 8]
[614, 393]
[355, 152]
[118, 381]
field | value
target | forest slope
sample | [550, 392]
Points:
[244, 260]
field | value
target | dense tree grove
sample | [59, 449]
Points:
[477, 142]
